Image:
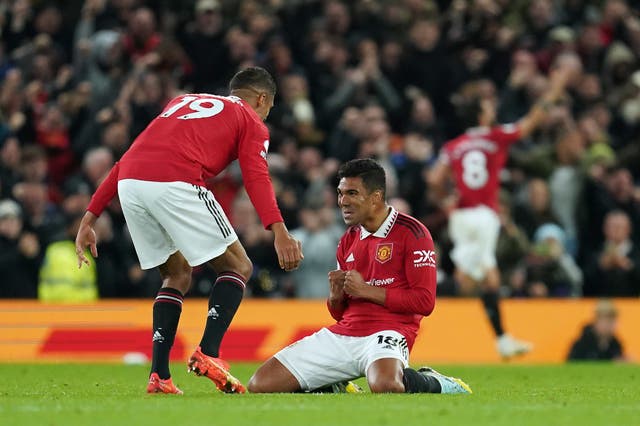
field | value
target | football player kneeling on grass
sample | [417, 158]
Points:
[385, 284]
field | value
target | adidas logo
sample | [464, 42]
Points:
[157, 337]
[213, 313]
[350, 258]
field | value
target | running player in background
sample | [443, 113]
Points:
[385, 284]
[176, 223]
[474, 161]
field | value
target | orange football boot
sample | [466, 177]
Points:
[158, 385]
[217, 370]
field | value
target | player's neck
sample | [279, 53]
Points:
[376, 220]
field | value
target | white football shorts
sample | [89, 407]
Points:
[164, 217]
[474, 232]
[325, 358]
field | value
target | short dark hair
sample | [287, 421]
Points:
[371, 173]
[253, 78]
[469, 112]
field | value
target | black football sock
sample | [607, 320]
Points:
[492, 309]
[415, 382]
[166, 314]
[224, 300]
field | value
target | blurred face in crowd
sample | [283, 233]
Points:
[620, 185]
[425, 35]
[589, 88]
[142, 24]
[10, 226]
[540, 13]
[310, 219]
[422, 111]
[338, 17]
[391, 54]
[97, 164]
[605, 324]
[617, 227]
[48, 20]
[10, 154]
[34, 166]
[538, 195]
[590, 40]
[294, 87]
[209, 21]
[33, 197]
[417, 147]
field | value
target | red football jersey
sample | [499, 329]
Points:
[476, 159]
[399, 257]
[195, 138]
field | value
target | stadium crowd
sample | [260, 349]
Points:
[363, 78]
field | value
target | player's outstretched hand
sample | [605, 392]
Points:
[86, 238]
[288, 249]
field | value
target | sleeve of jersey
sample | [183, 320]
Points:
[252, 155]
[506, 134]
[420, 270]
[105, 192]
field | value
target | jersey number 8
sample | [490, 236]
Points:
[202, 107]
[474, 169]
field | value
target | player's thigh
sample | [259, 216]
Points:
[152, 243]
[319, 360]
[195, 221]
[465, 235]
[489, 228]
[273, 376]
[380, 345]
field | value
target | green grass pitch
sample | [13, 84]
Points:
[65, 394]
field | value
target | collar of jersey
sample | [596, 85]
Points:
[384, 229]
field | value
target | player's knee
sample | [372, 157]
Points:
[245, 268]
[386, 386]
[256, 384]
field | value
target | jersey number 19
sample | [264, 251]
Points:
[201, 107]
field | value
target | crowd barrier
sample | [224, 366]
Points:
[457, 331]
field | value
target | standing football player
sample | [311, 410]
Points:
[474, 160]
[176, 223]
[385, 284]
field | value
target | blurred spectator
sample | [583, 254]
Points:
[319, 235]
[355, 78]
[550, 271]
[19, 254]
[598, 341]
[512, 247]
[257, 242]
[614, 270]
[60, 278]
[203, 41]
[40, 215]
[10, 162]
[536, 209]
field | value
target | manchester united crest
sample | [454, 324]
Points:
[384, 252]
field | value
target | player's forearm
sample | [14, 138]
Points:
[420, 300]
[376, 295]
[336, 307]
[105, 192]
